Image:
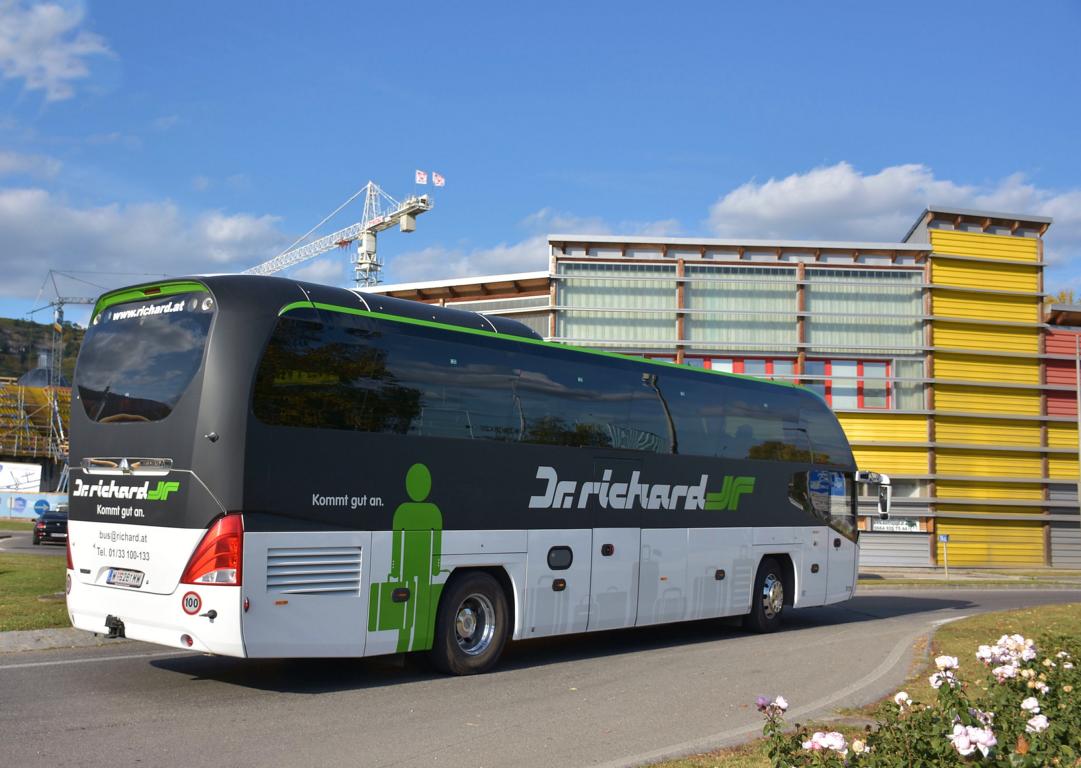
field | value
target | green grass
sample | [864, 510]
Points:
[16, 525]
[23, 580]
[960, 639]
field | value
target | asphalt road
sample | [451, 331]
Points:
[21, 542]
[616, 698]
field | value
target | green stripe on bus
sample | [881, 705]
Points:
[139, 294]
[537, 342]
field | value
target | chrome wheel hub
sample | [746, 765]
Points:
[467, 623]
[474, 624]
[772, 596]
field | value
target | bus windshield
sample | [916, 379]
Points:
[139, 357]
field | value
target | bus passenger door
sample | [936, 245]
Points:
[662, 583]
[307, 593]
[840, 544]
[613, 585]
[557, 582]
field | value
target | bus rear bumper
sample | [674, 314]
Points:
[210, 625]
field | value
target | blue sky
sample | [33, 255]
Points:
[175, 138]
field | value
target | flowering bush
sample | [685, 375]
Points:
[1021, 710]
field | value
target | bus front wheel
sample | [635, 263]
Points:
[471, 625]
[767, 600]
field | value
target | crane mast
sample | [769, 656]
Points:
[381, 211]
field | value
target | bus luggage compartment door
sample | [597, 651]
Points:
[613, 586]
[557, 582]
[662, 585]
[307, 593]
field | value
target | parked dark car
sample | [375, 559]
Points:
[51, 527]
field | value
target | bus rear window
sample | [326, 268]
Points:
[139, 357]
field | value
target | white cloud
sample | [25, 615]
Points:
[527, 255]
[437, 262]
[42, 45]
[833, 202]
[330, 271]
[228, 238]
[40, 231]
[41, 166]
[839, 202]
[549, 221]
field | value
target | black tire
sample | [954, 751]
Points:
[471, 625]
[36, 541]
[767, 599]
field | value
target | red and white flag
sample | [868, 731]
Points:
[422, 177]
[437, 179]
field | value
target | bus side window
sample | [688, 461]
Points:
[465, 389]
[828, 442]
[563, 402]
[696, 406]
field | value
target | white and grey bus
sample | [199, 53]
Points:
[268, 468]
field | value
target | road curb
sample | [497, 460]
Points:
[50, 639]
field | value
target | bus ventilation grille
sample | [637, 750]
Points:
[313, 570]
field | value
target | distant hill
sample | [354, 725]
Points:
[21, 341]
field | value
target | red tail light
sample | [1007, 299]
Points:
[218, 558]
[39, 525]
[71, 565]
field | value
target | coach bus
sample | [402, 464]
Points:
[263, 467]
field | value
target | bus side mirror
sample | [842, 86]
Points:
[885, 496]
[885, 490]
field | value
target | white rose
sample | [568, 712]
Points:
[1037, 724]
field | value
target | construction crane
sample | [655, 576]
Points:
[381, 211]
[58, 439]
[57, 305]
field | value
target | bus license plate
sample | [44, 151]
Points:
[124, 578]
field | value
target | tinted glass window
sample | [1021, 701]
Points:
[828, 442]
[832, 499]
[341, 371]
[345, 372]
[735, 419]
[138, 358]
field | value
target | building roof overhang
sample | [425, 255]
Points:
[1064, 314]
[983, 218]
[735, 243]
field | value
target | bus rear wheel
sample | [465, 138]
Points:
[767, 600]
[471, 625]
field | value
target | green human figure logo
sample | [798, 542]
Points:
[415, 554]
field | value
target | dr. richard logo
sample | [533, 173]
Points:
[561, 494]
[114, 490]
